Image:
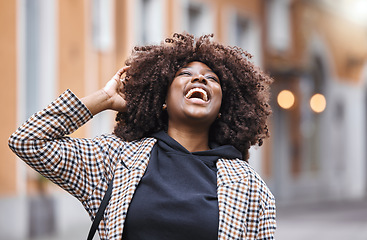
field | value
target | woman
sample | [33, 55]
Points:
[188, 112]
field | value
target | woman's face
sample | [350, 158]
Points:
[194, 96]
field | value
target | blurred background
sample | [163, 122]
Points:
[316, 50]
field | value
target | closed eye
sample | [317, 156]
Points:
[213, 78]
[183, 73]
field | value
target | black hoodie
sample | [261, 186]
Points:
[177, 196]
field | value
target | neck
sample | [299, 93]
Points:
[193, 140]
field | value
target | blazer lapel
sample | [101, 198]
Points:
[232, 198]
[127, 176]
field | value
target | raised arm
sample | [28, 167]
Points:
[77, 165]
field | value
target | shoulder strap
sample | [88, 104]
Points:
[100, 211]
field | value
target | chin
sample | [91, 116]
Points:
[201, 117]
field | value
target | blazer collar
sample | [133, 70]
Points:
[136, 153]
[233, 198]
[231, 171]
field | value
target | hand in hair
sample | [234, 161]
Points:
[110, 97]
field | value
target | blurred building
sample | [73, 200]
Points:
[308, 47]
[317, 51]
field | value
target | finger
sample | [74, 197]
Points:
[120, 72]
[121, 87]
[126, 68]
[124, 82]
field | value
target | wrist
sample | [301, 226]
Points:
[97, 101]
[105, 98]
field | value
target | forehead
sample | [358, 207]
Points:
[197, 65]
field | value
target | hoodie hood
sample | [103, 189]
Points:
[171, 145]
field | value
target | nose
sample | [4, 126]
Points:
[199, 78]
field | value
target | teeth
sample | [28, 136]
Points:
[200, 90]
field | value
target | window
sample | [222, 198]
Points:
[102, 24]
[197, 18]
[242, 36]
[149, 21]
[279, 25]
[32, 58]
[245, 33]
[195, 13]
[39, 62]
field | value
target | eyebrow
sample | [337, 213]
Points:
[208, 69]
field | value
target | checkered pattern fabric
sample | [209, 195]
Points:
[83, 167]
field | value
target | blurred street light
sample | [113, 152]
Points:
[285, 99]
[318, 103]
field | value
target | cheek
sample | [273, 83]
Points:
[219, 95]
[171, 93]
[173, 100]
[169, 100]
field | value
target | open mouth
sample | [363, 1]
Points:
[197, 93]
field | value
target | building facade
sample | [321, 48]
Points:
[318, 155]
[50, 45]
[308, 47]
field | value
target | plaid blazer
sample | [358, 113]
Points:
[84, 167]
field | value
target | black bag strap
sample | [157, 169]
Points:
[102, 207]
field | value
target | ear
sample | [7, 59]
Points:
[164, 106]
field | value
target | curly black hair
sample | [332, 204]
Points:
[245, 89]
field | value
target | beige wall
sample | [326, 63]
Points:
[72, 45]
[71, 51]
[8, 69]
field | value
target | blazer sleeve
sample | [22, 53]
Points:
[76, 165]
